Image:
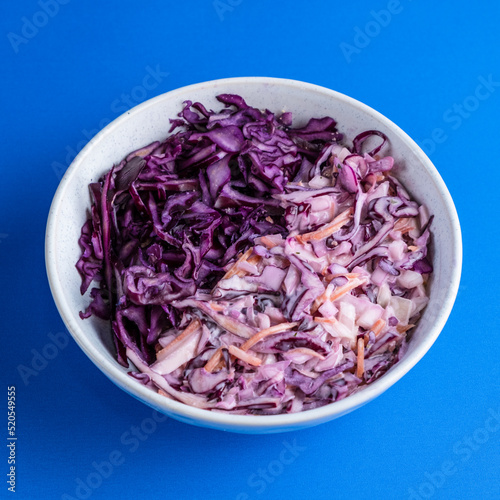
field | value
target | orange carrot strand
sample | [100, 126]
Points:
[328, 229]
[214, 360]
[360, 358]
[282, 327]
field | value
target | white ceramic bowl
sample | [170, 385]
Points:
[149, 122]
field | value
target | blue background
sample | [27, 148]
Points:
[434, 433]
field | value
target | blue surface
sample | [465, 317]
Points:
[436, 433]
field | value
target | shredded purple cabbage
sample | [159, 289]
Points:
[250, 267]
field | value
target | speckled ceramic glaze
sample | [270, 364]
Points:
[149, 122]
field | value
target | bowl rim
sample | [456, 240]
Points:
[264, 423]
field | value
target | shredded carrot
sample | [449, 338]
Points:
[378, 326]
[324, 270]
[254, 259]
[214, 360]
[319, 319]
[402, 329]
[372, 179]
[269, 219]
[216, 307]
[220, 365]
[227, 322]
[404, 225]
[322, 298]
[163, 393]
[412, 248]
[282, 327]
[338, 292]
[245, 356]
[328, 229]
[330, 277]
[191, 328]
[307, 352]
[267, 242]
[400, 223]
[234, 269]
[334, 294]
[350, 285]
[361, 358]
